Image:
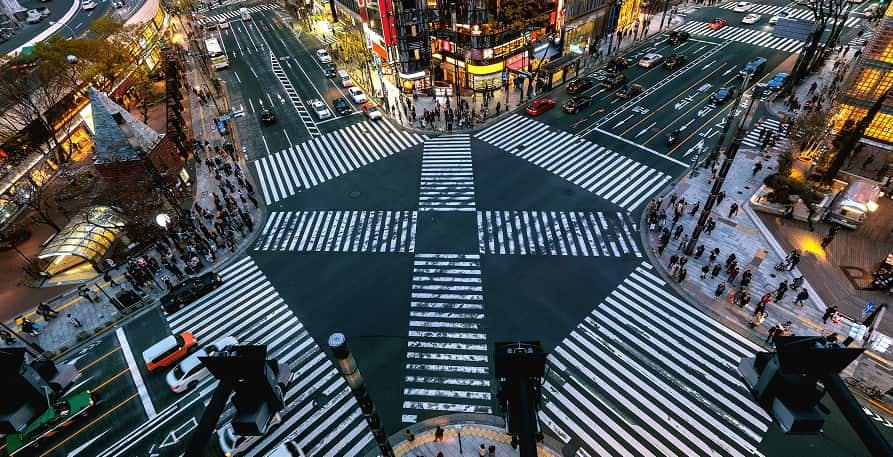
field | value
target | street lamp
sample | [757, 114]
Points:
[459, 436]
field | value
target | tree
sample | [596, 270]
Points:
[35, 198]
[823, 12]
[848, 139]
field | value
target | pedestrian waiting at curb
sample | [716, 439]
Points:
[829, 313]
[720, 289]
[44, 310]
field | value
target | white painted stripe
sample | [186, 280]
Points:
[145, 399]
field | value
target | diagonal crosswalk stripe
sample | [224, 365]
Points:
[648, 374]
[447, 178]
[339, 231]
[793, 13]
[320, 415]
[749, 36]
[328, 156]
[566, 233]
[447, 357]
[595, 168]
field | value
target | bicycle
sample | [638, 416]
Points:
[871, 391]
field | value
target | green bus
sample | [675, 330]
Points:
[60, 415]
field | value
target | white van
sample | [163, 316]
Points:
[344, 77]
[852, 205]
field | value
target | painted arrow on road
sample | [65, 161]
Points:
[623, 121]
[685, 125]
[646, 129]
[710, 64]
[697, 147]
[725, 73]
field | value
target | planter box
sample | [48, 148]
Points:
[759, 202]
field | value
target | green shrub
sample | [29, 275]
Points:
[784, 186]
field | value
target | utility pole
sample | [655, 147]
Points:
[737, 137]
[348, 368]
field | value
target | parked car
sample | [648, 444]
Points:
[320, 109]
[742, 7]
[716, 24]
[371, 111]
[613, 81]
[617, 64]
[753, 68]
[88, 5]
[341, 106]
[323, 56]
[357, 95]
[677, 37]
[189, 290]
[751, 18]
[651, 59]
[674, 61]
[540, 106]
[628, 91]
[579, 85]
[190, 371]
[575, 104]
[777, 81]
[722, 95]
[267, 117]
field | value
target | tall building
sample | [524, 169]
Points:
[872, 76]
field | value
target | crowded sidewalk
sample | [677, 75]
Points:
[217, 225]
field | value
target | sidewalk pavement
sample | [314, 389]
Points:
[99, 314]
[475, 430]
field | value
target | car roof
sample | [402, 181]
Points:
[192, 360]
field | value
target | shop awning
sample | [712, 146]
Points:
[87, 238]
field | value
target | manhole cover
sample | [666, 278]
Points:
[354, 194]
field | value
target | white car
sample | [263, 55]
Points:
[232, 445]
[357, 95]
[751, 18]
[88, 5]
[742, 7]
[320, 109]
[187, 374]
[34, 17]
[651, 59]
[323, 56]
[774, 19]
[223, 24]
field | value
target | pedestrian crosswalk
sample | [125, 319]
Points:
[321, 414]
[565, 233]
[344, 231]
[752, 138]
[793, 13]
[234, 13]
[447, 179]
[648, 374]
[329, 156]
[447, 356]
[609, 175]
[749, 36]
[860, 40]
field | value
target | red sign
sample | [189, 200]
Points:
[386, 8]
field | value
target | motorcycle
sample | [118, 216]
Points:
[673, 138]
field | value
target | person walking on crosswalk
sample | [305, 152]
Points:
[803, 295]
[782, 288]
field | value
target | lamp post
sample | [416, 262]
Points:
[348, 368]
[459, 436]
[737, 137]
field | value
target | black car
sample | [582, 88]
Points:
[341, 106]
[579, 85]
[575, 104]
[629, 91]
[330, 70]
[723, 95]
[617, 64]
[613, 81]
[677, 37]
[267, 117]
[189, 290]
[674, 61]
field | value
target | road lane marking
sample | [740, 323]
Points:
[102, 357]
[50, 450]
[137, 377]
[642, 147]
[104, 383]
[80, 448]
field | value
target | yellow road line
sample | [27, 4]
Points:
[100, 358]
[96, 389]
